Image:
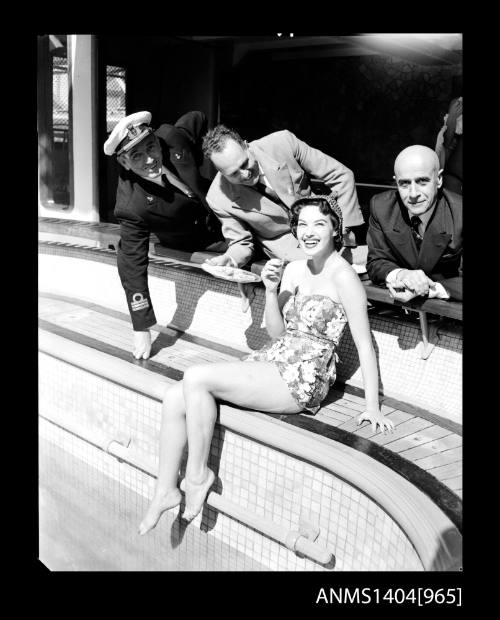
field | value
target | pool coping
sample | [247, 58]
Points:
[425, 523]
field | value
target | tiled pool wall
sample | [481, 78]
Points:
[89, 512]
[263, 480]
[212, 308]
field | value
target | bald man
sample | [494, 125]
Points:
[415, 231]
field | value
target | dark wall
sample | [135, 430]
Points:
[361, 110]
[167, 77]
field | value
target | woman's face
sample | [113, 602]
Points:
[315, 231]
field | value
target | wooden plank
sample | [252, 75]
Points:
[180, 354]
[328, 420]
[447, 471]
[424, 436]
[397, 416]
[332, 414]
[353, 398]
[348, 412]
[402, 430]
[351, 426]
[355, 407]
[455, 484]
[98, 322]
[443, 458]
[439, 445]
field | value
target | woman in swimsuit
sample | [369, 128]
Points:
[317, 297]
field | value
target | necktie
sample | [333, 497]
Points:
[263, 189]
[415, 223]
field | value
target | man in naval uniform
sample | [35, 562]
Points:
[161, 191]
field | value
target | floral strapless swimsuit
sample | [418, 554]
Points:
[306, 354]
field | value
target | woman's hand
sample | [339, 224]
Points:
[376, 417]
[271, 274]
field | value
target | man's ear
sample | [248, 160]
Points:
[123, 161]
[440, 177]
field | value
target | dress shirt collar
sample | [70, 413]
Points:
[425, 219]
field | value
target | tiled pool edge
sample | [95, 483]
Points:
[406, 500]
[433, 384]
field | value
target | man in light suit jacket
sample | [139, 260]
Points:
[415, 232]
[257, 183]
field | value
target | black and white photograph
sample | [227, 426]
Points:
[250, 305]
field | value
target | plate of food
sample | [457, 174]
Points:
[233, 274]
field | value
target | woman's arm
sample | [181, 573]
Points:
[353, 298]
[271, 276]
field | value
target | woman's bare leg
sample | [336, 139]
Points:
[254, 385]
[172, 443]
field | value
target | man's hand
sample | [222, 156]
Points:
[454, 110]
[401, 294]
[142, 344]
[414, 280]
[223, 259]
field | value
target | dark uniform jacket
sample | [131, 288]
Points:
[391, 243]
[143, 207]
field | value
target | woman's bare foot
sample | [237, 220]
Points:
[157, 507]
[196, 495]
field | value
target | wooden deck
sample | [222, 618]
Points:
[422, 439]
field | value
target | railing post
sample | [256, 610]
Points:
[429, 335]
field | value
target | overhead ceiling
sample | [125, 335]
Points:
[423, 48]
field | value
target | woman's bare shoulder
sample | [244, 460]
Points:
[344, 275]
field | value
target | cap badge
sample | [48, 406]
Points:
[133, 131]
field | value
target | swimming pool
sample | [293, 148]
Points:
[281, 489]
[291, 479]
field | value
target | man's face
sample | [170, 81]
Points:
[145, 158]
[236, 163]
[418, 181]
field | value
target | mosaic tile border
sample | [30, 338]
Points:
[229, 444]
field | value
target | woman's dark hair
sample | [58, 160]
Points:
[327, 206]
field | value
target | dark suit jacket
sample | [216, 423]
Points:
[143, 207]
[391, 244]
